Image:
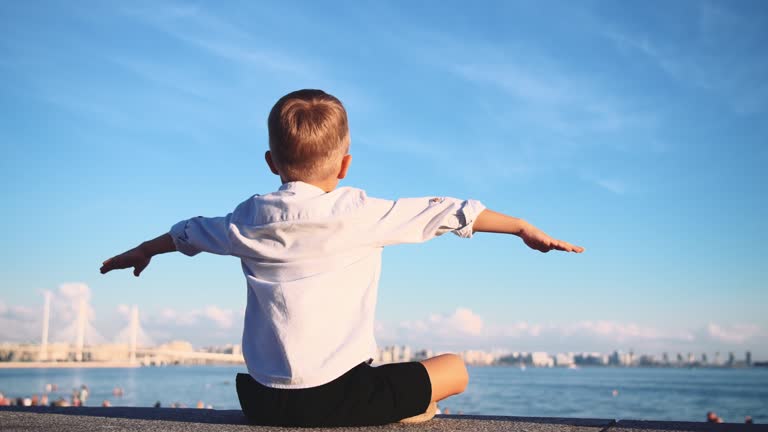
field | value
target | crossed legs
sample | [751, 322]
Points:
[448, 376]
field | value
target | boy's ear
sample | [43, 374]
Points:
[268, 158]
[345, 161]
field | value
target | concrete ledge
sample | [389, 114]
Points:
[117, 419]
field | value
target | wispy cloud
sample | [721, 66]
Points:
[258, 61]
[548, 110]
[175, 77]
[712, 60]
[519, 82]
[556, 100]
[218, 37]
[613, 185]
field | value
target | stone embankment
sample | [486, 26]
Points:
[119, 419]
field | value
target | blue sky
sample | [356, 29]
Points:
[638, 131]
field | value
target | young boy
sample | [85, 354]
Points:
[311, 255]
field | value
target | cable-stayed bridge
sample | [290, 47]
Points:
[79, 342]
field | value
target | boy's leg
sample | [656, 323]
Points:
[447, 374]
[448, 377]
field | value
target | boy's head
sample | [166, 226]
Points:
[308, 136]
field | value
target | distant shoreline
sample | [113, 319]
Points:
[67, 365]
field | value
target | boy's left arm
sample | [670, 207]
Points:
[413, 220]
[495, 222]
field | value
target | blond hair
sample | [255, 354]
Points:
[308, 135]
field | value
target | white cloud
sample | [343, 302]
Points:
[74, 290]
[208, 325]
[735, 334]
[23, 323]
[65, 302]
[623, 332]
[460, 324]
[458, 330]
[124, 311]
[518, 330]
[464, 329]
[65, 308]
[222, 317]
[462, 321]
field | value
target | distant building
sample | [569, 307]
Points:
[385, 356]
[665, 359]
[614, 359]
[515, 358]
[748, 358]
[421, 355]
[400, 353]
[590, 359]
[480, 358]
[704, 358]
[406, 354]
[564, 359]
[731, 359]
[619, 358]
[176, 345]
[542, 359]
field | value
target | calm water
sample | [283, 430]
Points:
[657, 394]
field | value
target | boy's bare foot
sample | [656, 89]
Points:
[426, 415]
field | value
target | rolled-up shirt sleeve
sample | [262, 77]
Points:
[415, 220]
[203, 234]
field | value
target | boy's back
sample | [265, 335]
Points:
[312, 262]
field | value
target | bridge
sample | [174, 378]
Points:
[80, 343]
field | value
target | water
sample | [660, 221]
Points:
[651, 394]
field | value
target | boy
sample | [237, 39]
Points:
[311, 255]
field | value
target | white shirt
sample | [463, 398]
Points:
[312, 262]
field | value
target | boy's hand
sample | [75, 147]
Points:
[539, 240]
[135, 258]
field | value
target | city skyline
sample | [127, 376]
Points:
[635, 130]
[73, 319]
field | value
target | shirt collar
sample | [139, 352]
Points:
[301, 188]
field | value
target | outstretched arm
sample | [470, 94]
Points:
[139, 257]
[491, 221]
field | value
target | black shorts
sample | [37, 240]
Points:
[363, 396]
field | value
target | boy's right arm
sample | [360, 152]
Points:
[139, 257]
[190, 237]
[491, 221]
